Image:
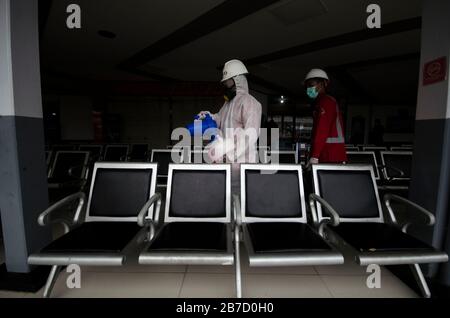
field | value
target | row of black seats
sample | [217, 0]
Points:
[404, 147]
[141, 152]
[107, 152]
[72, 167]
[203, 223]
[392, 168]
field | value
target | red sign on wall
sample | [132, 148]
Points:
[98, 126]
[435, 71]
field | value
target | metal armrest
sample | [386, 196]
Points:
[237, 221]
[44, 217]
[70, 171]
[334, 219]
[237, 210]
[394, 169]
[143, 219]
[392, 197]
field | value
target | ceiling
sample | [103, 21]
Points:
[179, 40]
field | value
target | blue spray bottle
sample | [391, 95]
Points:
[199, 126]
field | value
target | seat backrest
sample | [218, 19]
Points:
[198, 193]
[284, 156]
[360, 146]
[402, 148]
[48, 156]
[119, 190]
[57, 148]
[394, 161]
[164, 157]
[371, 148]
[198, 155]
[350, 189]
[139, 152]
[116, 152]
[376, 150]
[69, 165]
[94, 150]
[272, 193]
[364, 157]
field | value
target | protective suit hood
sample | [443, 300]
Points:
[241, 84]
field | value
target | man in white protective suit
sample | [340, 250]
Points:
[239, 122]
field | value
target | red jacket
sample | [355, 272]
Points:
[328, 142]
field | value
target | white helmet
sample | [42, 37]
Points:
[233, 68]
[316, 73]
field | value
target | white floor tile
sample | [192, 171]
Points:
[356, 287]
[206, 285]
[8, 294]
[222, 285]
[211, 269]
[284, 286]
[347, 269]
[33, 295]
[111, 285]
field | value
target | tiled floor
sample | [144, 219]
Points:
[219, 282]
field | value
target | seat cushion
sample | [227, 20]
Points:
[284, 237]
[371, 237]
[201, 236]
[95, 237]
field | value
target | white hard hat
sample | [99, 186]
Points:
[233, 68]
[316, 73]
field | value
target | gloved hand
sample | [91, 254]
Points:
[203, 114]
[219, 148]
[311, 161]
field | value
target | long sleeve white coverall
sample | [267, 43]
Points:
[239, 121]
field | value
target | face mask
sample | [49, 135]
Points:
[312, 92]
[230, 93]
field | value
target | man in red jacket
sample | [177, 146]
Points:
[328, 142]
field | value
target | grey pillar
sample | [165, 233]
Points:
[23, 184]
[431, 162]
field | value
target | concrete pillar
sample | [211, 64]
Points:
[430, 184]
[23, 184]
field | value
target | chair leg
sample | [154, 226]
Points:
[237, 264]
[51, 280]
[418, 275]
